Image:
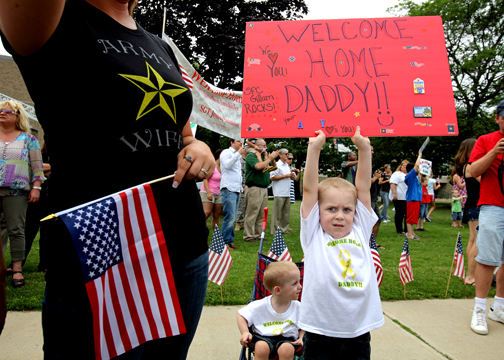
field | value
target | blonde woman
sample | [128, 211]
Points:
[21, 177]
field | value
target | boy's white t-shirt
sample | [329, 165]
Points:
[340, 291]
[266, 321]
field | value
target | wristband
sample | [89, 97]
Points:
[37, 188]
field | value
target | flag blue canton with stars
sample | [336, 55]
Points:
[95, 232]
[217, 244]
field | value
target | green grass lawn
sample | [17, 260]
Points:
[431, 258]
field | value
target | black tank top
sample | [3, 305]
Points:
[473, 191]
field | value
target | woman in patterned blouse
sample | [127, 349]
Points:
[21, 175]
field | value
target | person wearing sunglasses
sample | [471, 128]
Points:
[21, 176]
[115, 112]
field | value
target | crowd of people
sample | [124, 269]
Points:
[338, 216]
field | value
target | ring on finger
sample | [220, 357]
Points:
[204, 171]
[188, 158]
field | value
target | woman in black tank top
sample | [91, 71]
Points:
[471, 213]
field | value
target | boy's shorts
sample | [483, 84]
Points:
[324, 347]
[456, 216]
[216, 198]
[412, 212]
[274, 343]
[490, 240]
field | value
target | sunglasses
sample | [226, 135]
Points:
[8, 111]
[290, 158]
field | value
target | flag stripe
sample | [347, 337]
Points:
[159, 309]
[141, 323]
[124, 338]
[135, 263]
[115, 344]
[109, 337]
[217, 264]
[178, 326]
[93, 300]
[133, 326]
[225, 270]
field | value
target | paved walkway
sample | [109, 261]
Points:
[415, 329]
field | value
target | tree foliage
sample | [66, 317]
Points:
[211, 34]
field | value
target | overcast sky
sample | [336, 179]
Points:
[337, 9]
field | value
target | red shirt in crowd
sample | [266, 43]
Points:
[490, 192]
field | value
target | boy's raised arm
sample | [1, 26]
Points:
[310, 177]
[363, 177]
[417, 162]
[28, 24]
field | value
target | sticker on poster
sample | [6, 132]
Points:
[418, 86]
[422, 112]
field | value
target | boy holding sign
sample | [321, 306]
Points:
[341, 303]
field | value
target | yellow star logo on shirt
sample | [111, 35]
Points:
[157, 92]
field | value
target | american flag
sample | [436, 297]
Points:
[405, 269]
[278, 250]
[376, 259]
[219, 258]
[187, 78]
[458, 259]
[127, 270]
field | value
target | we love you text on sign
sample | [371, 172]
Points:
[388, 75]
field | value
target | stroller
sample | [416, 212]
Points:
[259, 291]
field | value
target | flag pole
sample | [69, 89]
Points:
[404, 291]
[52, 216]
[221, 297]
[164, 21]
[451, 269]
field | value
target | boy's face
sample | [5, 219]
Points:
[337, 209]
[291, 287]
[455, 193]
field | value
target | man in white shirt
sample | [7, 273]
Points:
[281, 182]
[230, 188]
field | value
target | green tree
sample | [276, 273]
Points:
[211, 34]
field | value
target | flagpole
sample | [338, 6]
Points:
[164, 21]
[221, 297]
[404, 291]
[52, 216]
[451, 269]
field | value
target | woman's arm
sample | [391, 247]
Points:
[28, 24]
[200, 155]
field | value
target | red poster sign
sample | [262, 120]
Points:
[388, 75]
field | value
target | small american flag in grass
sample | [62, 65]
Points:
[376, 259]
[458, 259]
[405, 269]
[219, 258]
[278, 250]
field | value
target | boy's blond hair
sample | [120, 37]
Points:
[274, 274]
[337, 183]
